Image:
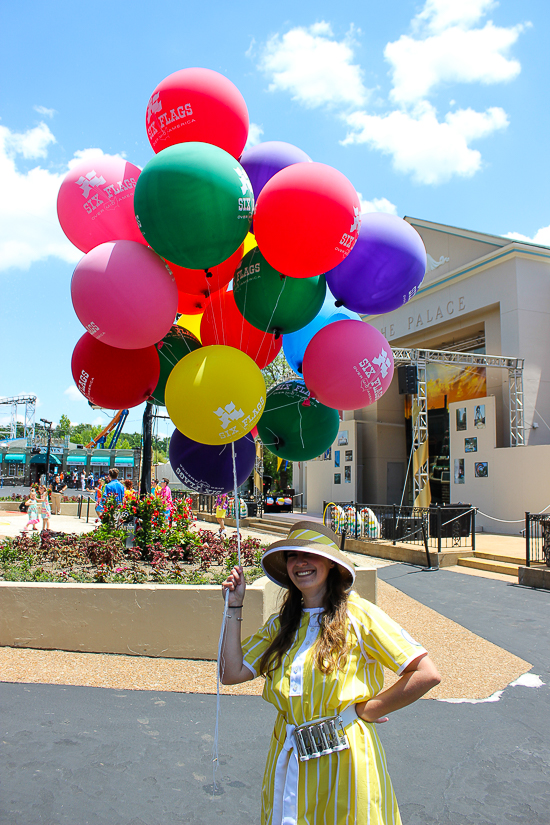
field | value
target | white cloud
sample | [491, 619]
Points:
[453, 55]
[29, 229]
[74, 394]
[255, 133]
[44, 111]
[313, 67]
[31, 144]
[440, 14]
[377, 205]
[449, 43]
[542, 236]
[424, 147]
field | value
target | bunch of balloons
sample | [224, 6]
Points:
[175, 239]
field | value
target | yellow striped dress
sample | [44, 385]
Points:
[350, 787]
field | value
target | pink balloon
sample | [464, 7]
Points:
[114, 378]
[124, 294]
[95, 203]
[348, 365]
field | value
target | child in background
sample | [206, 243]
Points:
[32, 511]
[45, 508]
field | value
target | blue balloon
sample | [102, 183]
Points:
[208, 468]
[295, 343]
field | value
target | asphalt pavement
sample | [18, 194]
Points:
[91, 756]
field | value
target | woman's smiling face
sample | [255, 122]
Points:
[309, 573]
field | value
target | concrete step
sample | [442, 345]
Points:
[492, 566]
[262, 526]
[500, 557]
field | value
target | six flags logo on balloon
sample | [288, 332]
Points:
[302, 288]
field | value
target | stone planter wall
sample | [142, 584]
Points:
[175, 621]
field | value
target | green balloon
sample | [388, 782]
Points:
[194, 204]
[178, 343]
[293, 431]
[273, 302]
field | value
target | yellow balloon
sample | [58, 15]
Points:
[249, 243]
[192, 323]
[215, 395]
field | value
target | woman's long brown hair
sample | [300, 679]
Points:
[331, 649]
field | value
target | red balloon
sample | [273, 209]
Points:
[222, 323]
[197, 105]
[114, 378]
[95, 203]
[191, 304]
[307, 219]
[209, 280]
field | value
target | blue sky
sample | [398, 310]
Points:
[435, 109]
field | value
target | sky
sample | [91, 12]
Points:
[434, 110]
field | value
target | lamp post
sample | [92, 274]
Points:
[49, 424]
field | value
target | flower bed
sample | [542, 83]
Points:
[138, 542]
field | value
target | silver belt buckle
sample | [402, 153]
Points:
[316, 739]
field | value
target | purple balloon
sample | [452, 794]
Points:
[208, 468]
[383, 270]
[264, 160]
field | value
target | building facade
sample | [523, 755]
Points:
[481, 294]
[22, 462]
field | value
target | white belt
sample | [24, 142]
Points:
[285, 790]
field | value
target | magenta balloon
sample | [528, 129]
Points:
[125, 295]
[95, 203]
[264, 160]
[348, 365]
[383, 270]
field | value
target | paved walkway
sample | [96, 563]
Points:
[114, 757]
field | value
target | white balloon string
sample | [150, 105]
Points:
[301, 433]
[237, 503]
[219, 675]
[272, 314]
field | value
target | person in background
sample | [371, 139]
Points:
[129, 491]
[91, 480]
[221, 512]
[114, 487]
[100, 487]
[82, 480]
[58, 486]
[32, 511]
[45, 508]
[165, 493]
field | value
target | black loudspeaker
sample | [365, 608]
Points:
[407, 378]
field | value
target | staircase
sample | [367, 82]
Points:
[493, 562]
[275, 527]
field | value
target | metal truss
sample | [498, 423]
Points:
[30, 411]
[420, 431]
[515, 395]
[421, 358]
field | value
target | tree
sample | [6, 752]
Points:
[279, 370]
[64, 426]
[282, 477]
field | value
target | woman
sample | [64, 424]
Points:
[221, 512]
[322, 656]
